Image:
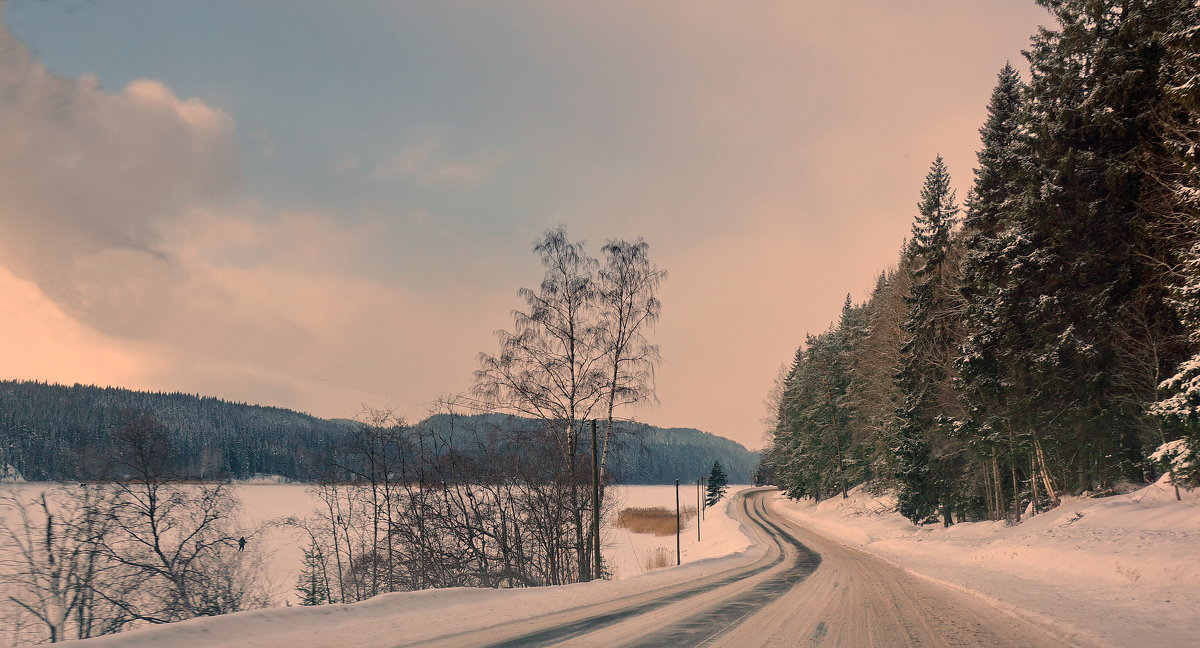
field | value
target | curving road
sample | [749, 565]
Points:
[805, 590]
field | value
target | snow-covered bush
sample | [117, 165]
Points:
[1180, 456]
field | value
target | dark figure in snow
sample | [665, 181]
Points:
[241, 544]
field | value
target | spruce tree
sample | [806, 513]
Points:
[820, 420]
[786, 444]
[991, 369]
[848, 424]
[313, 585]
[718, 483]
[1180, 406]
[877, 352]
[1177, 204]
[927, 457]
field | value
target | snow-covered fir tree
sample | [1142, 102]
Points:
[928, 455]
[991, 367]
[313, 583]
[718, 483]
[1177, 172]
[1100, 331]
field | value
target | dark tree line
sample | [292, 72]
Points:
[66, 433]
[1042, 337]
[58, 432]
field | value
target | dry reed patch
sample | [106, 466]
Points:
[658, 520]
[659, 558]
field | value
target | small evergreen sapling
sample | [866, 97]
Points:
[313, 583]
[718, 483]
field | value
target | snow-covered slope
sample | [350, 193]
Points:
[1124, 568]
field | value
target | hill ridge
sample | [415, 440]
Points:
[56, 432]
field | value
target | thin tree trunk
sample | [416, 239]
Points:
[1033, 486]
[1016, 494]
[1041, 457]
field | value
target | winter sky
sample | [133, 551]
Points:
[325, 205]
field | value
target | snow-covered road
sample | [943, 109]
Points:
[858, 599]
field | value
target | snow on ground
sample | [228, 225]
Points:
[411, 616]
[1123, 568]
[625, 553]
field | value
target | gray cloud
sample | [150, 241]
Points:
[89, 178]
[124, 210]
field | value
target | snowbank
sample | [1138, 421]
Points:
[1124, 568]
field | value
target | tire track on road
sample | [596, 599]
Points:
[774, 587]
[706, 626]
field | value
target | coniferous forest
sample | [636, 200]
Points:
[59, 432]
[1041, 335]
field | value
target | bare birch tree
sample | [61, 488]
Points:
[178, 539]
[627, 292]
[552, 366]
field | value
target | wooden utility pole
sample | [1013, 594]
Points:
[698, 510]
[678, 553]
[595, 506]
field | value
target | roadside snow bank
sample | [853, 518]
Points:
[1124, 567]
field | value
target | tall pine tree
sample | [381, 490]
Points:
[928, 457]
[992, 373]
[718, 483]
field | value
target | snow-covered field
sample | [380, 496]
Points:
[1125, 569]
[626, 553]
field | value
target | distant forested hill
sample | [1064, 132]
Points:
[57, 432]
[641, 454]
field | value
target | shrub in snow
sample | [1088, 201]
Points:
[1180, 457]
